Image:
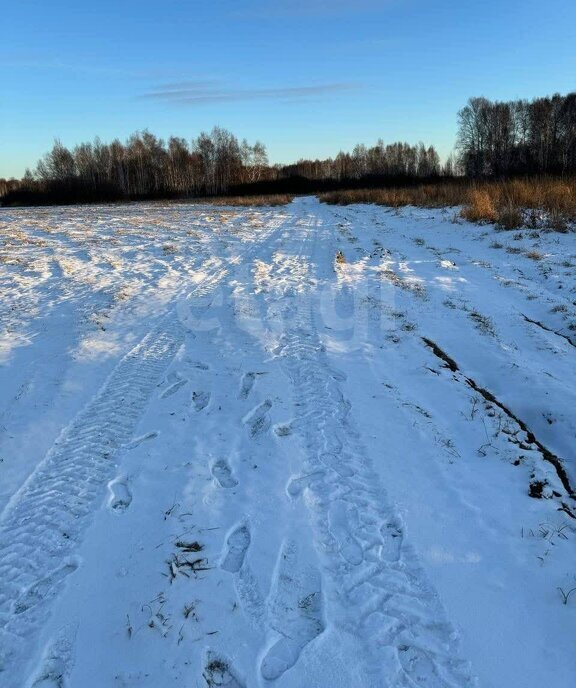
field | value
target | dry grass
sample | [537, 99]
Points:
[546, 202]
[480, 207]
[249, 201]
[425, 195]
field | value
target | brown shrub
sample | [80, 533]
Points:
[480, 207]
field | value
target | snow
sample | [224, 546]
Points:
[228, 459]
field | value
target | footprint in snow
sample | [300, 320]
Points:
[237, 545]
[222, 473]
[296, 610]
[173, 389]
[56, 665]
[120, 496]
[392, 536]
[258, 420]
[137, 441]
[200, 400]
[248, 381]
[421, 670]
[43, 588]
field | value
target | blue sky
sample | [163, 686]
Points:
[307, 77]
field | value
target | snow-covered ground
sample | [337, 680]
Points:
[227, 459]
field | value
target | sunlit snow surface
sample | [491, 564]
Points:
[227, 459]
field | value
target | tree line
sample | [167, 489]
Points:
[148, 167]
[392, 160]
[495, 140]
[499, 139]
[212, 164]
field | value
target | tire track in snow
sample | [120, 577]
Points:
[43, 524]
[385, 601]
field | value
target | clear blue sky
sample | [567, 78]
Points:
[308, 77]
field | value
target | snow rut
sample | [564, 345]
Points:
[385, 599]
[43, 523]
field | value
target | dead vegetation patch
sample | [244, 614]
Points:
[543, 202]
[417, 288]
[182, 564]
[483, 323]
[273, 200]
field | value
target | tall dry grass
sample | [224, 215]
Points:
[510, 204]
[248, 201]
[425, 195]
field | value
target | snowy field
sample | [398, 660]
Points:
[227, 459]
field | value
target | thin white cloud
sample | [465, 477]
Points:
[202, 92]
